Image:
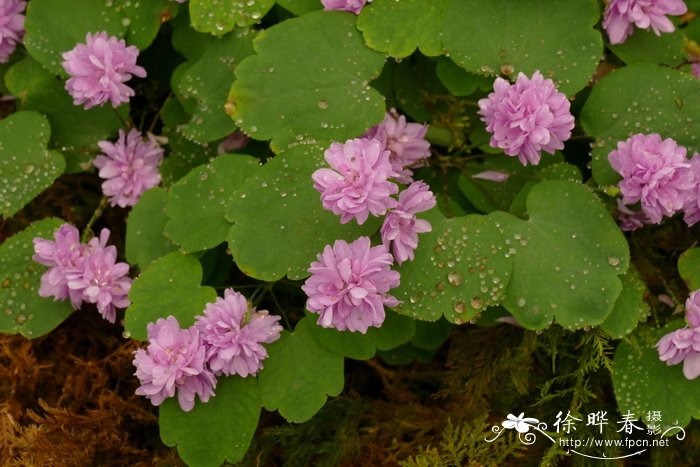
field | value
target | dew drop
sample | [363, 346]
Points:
[454, 278]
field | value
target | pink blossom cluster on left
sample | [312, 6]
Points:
[83, 272]
[683, 345]
[225, 340]
[350, 283]
[11, 26]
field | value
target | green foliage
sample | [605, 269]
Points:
[308, 82]
[689, 268]
[184, 156]
[218, 430]
[299, 374]
[300, 7]
[295, 227]
[23, 311]
[196, 203]
[222, 16]
[570, 243]
[640, 98]
[398, 28]
[145, 241]
[507, 37]
[647, 47]
[168, 286]
[459, 81]
[26, 167]
[630, 307]
[642, 382]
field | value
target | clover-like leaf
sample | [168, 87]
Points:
[308, 82]
[218, 430]
[184, 155]
[26, 167]
[168, 286]
[494, 37]
[300, 7]
[197, 202]
[208, 80]
[398, 28]
[459, 81]
[73, 129]
[461, 267]
[630, 307]
[299, 374]
[689, 268]
[642, 382]
[566, 257]
[22, 309]
[640, 98]
[145, 241]
[295, 227]
[221, 16]
[646, 46]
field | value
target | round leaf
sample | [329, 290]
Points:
[566, 257]
[299, 373]
[646, 46]
[197, 202]
[300, 7]
[26, 167]
[23, 310]
[689, 268]
[630, 307]
[308, 82]
[216, 431]
[641, 98]
[145, 241]
[294, 228]
[168, 286]
[501, 36]
[398, 28]
[222, 16]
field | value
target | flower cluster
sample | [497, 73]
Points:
[11, 26]
[349, 283]
[226, 340]
[99, 68]
[129, 167]
[620, 15]
[353, 6]
[683, 345]
[656, 174]
[527, 117]
[83, 272]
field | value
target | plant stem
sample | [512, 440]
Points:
[95, 215]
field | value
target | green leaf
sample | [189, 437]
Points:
[23, 310]
[460, 268]
[640, 98]
[208, 80]
[494, 37]
[56, 26]
[299, 374]
[145, 241]
[398, 28]
[689, 268]
[630, 307]
[183, 156]
[558, 171]
[300, 7]
[221, 16]
[571, 244]
[168, 286]
[459, 81]
[430, 336]
[216, 431]
[642, 382]
[646, 47]
[26, 167]
[308, 82]
[396, 330]
[188, 42]
[73, 129]
[294, 228]
[197, 202]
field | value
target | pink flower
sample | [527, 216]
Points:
[349, 284]
[11, 26]
[620, 15]
[527, 117]
[104, 282]
[358, 184]
[405, 141]
[655, 173]
[691, 207]
[492, 176]
[401, 225]
[173, 362]
[65, 257]
[233, 333]
[630, 220]
[692, 309]
[682, 345]
[695, 69]
[129, 167]
[233, 142]
[99, 69]
[353, 6]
